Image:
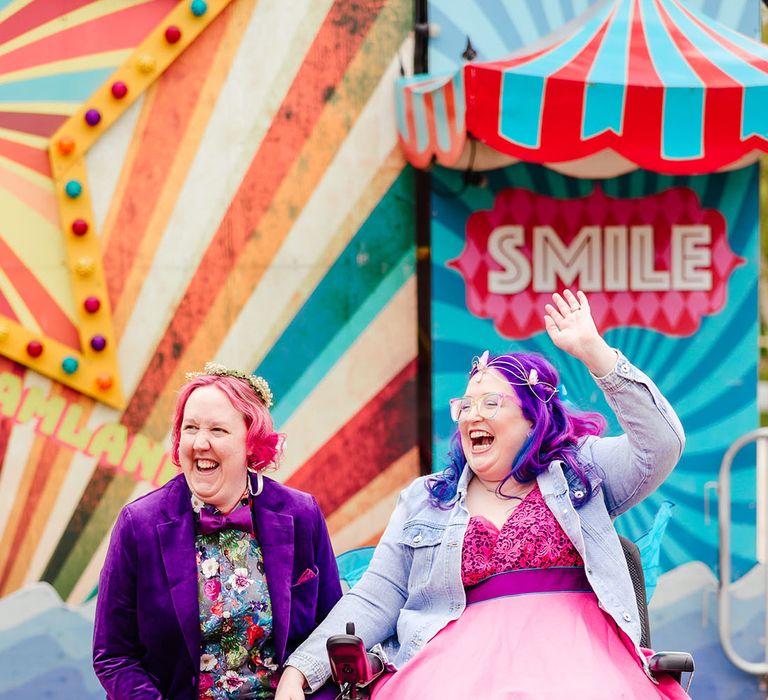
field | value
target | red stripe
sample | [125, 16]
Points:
[53, 322]
[520, 59]
[41, 473]
[111, 32]
[641, 135]
[449, 95]
[456, 135]
[378, 435]
[482, 84]
[755, 141]
[28, 156]
[644, 95]
[483, 94]
[172, 107]
[91, 498]
[429, 113]
[563, 101]
[420, 159]
[28, 123]
[42, 469]
[335, 45]
[750, 58]
[723, 99]
[38, 12]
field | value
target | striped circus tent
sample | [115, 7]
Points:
[253, 208]
[652, 84]
[431, 118]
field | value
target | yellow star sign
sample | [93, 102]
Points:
[94, 369]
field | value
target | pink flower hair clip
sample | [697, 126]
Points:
[479, 365]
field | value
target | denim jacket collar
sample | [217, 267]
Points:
[464, 479]
[557, 478]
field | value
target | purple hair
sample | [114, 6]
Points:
[262, 443]
[555, 434]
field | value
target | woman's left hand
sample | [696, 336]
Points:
[291, 685]
[571, 327]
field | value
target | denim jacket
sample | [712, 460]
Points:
[413, 588]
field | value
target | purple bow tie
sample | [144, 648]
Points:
[240, 519]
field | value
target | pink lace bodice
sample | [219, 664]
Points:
[531, 538]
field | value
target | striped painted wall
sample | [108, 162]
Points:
[253, 208]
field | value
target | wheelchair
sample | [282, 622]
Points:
[355, 670]
[672, 663]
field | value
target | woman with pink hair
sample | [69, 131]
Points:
[212, 581]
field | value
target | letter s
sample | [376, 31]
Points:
[503, 245]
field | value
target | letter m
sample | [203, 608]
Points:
[553, 259]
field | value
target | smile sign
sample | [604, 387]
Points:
[660, 261]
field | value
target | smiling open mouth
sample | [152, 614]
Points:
[481, 440]
[205, 465]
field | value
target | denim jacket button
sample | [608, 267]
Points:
[417, 539]
[625, 368]
[627, 616]
[578, 494]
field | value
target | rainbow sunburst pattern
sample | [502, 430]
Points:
[252, 207]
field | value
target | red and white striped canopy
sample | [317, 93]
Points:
[630, 83]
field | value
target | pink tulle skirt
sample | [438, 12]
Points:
[556, 645]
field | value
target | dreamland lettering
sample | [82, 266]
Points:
[110, 443]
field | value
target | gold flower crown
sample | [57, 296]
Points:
[259, 384]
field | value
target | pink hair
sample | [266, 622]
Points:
[263, 445]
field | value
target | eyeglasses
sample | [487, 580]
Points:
[487, 405]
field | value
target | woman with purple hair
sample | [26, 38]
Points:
[503, 576]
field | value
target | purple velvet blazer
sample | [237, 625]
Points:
[147, 634]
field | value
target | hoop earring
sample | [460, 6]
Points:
[259, 484]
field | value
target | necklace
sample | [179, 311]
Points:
[496, 492]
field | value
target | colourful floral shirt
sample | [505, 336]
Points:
[235, 617]
[531, 538]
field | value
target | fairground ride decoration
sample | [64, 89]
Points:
[93, 368]
[628, 84]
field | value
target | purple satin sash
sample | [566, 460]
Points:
[521, 581]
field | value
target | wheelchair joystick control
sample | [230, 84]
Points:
[351, 666]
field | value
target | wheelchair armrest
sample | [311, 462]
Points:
[671, 662]
[674, 664]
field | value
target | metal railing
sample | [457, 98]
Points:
[757, 668]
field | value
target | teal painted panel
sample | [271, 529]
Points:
[370, 270]
[711, 384]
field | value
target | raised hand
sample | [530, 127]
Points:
[571, 327]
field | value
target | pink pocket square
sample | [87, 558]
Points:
[308, 574]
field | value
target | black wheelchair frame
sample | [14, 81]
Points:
[673, 663]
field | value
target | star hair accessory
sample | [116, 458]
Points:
[258, 384]
[543, 391]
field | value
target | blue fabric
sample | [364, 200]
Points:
[649, 545]
[352, 564]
